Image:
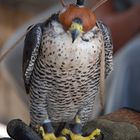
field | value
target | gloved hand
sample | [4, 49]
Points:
[18, 130]
[123, 124]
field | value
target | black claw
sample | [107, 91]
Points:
[18, 130]
[68, 137]
[100, 137]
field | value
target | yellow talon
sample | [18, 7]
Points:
[49, 136]
[73, 136]
[66, 132]
[96, 132]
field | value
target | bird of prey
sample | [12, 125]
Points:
[65, 61]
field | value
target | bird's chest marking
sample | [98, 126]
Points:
[59, 51]
[70, 66]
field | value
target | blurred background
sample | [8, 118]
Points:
[15, 17]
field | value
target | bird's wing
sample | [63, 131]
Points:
[30, 52]
[108, 47]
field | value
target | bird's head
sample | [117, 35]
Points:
[76, 28]
[76, 18]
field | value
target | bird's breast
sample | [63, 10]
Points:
[58, 50]
[71, 70]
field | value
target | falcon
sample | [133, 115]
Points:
[65, 61]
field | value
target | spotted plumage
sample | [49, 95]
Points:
[63, 73]
[63, 77]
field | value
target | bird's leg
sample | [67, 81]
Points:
[47, 131]
[76, 132]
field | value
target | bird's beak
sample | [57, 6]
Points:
[75, 30]
[74, 35]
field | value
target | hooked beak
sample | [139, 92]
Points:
[74, 34]
[76, 28]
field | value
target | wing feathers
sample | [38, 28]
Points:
[31, 50]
